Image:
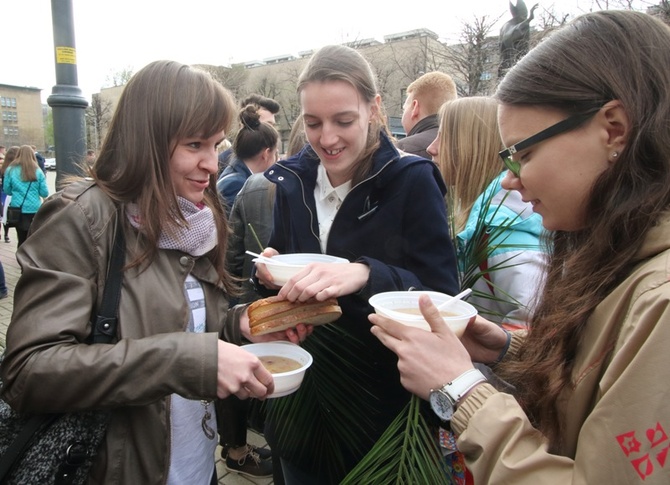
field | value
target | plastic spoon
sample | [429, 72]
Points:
[454, 299]
[265, 259]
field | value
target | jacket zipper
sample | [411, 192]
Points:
[302, 191]
[304, 201]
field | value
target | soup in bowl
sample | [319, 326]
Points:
[287, 362]
[403, 307]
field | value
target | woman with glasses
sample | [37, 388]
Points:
[586, 117]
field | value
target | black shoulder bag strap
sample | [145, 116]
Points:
[26, 195]
[104, 331]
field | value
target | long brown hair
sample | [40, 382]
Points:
[341, 63]
[597, 58]
[26, 160]
[162, 103]
[10, 156]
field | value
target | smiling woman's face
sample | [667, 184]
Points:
[557, 175]
[336, 125]
[194, 161]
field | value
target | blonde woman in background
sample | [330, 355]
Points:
[466, 151]
[27, 185]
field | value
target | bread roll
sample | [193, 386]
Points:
[273, 314]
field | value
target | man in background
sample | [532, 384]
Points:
[90, 158]
[419, 116]
[269, 108]
[40, 159]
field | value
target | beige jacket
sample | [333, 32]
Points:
[48, 368]
[615, 419]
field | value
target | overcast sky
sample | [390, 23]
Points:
[128, 34]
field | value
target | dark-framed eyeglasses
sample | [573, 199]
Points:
[570, 123]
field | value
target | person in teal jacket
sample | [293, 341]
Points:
[27, 185]
[513, 271]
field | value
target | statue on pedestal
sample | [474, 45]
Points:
[515, 35]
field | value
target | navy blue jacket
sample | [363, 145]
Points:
[231, 181]
[40, 161]
[395, 221]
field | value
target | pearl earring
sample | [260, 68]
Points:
[615, 154]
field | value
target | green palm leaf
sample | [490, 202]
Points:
[475, 253]
[407, 453]
[333, 404]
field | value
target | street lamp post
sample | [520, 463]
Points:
[66, 100]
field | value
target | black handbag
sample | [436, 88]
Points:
[13, 216]
[14, 213]
[60, 448]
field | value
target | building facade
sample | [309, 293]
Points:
[22, 117]
[397, 61]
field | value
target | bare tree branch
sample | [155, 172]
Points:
[98, 115]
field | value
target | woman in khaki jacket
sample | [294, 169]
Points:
[155, 177]
[586, 117]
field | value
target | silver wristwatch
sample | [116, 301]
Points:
[444, 400]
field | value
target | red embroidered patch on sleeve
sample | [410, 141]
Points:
[644, 456]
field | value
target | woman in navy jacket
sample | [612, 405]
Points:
[350, 193]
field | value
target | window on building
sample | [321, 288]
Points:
[13, 102]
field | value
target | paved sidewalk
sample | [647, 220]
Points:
[12, 272]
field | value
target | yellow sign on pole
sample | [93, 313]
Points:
[66, 55]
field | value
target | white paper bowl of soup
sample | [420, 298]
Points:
[286, 362]
[289, 265]
[403, 307]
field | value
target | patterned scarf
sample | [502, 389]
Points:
[197, 238]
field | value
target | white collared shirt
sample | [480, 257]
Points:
[328, 201]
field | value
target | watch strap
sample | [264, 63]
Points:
[460, 386]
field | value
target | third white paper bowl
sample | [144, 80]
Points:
[389, 302]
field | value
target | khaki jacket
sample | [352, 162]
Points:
[615, 419]
[48, 368]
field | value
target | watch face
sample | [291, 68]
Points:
[441, 405]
